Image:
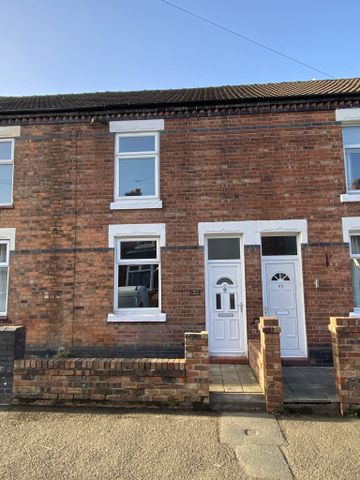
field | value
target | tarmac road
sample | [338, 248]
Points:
[133, 445]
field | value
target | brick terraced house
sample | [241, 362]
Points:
[129, 218]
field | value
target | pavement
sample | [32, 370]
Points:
[156, 445]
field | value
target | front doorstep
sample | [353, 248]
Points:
[295, 362]
[229, 360]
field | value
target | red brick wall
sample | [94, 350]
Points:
[117, 382]
[265, 362]
[238, 167]
[345, 334]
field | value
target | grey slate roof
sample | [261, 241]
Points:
[157, 98]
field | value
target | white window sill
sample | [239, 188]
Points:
[350, 197]
[135, 204]
[137, 317]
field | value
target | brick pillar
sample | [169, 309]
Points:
[345, 336]
[197, 367]
[12, 347]
[271, 359]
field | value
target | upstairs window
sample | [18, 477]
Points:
[351, 140]
[4, 275]
[137, 170]
[6, 171]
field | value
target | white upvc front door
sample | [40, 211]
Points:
[283, 298]
[225, 309]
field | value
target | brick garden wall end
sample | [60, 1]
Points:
[345, 334]
[265, 361]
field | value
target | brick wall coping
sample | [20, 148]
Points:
[269, 325]
[104, 363]
[10, 328]
[338, 324]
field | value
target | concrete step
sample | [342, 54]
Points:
[237, 402]
[310, 407]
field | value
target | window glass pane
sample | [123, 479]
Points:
[218, 301]
[224, 248]
[136, 177]
[137, 144]
[3, 288]
[351, 135]
[232, 301]
[138, 286]
[5, 183]
[355, 244]
[134, 250]
[5, 150]
[355, 268]
[353, 168]
[279, 245]
[3, 248]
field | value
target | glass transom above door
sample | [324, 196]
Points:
[278, 245]
[224, 248]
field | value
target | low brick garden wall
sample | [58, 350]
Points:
[345, 334]
[117, 382]
[265, 362]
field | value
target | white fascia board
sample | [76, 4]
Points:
[137, 126]
[348, 115]
[10, 132]
[8, 234]
[251, 230]
[350, 224]
[137, 230]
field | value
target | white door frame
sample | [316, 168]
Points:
[300, 299]
[241, 262]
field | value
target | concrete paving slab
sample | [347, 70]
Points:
[250, 429]
[268, 464]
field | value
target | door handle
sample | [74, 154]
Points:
[241, 305]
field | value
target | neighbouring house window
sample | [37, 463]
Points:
[138, 275]
[137, 170]
[6, 171]
[355, 270]
[4, 276]
[351, 141]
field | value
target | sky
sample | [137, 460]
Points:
[71, 46]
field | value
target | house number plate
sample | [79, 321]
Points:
[225, 314]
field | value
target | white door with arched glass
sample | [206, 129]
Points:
[282, 292]
[225, 303]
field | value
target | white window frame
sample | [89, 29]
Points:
[354, 233]
[347, 148]
[136, 232]
[351, 227]
[6, 265]
[349, 117]
[137, 128]
[9, 162]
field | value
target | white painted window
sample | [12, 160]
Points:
[355, 269]
[6, 171]
[137, 279]
[137, 164]
[4, 275]
[351, 140]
